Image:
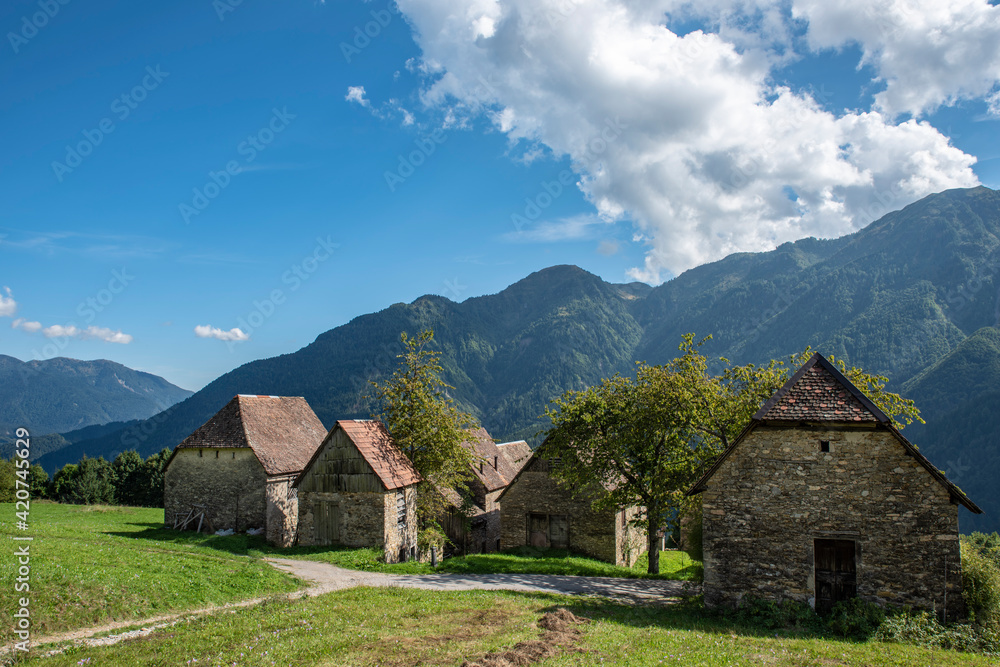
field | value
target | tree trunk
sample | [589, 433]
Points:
[653, 539]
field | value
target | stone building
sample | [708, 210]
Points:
[821, 499]
[479, 530]
[536, 511]
[238, 468]
[359, 490]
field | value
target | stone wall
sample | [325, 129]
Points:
[630, 540]
[778, 492]
[596, 534]
[230, 483]
[366, 519]
[282, 510]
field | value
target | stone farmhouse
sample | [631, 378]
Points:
[821, 499]
[479, 532]
[359, 490]
[236, 470]
[536, 511]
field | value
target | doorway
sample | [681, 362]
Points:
[836, 573]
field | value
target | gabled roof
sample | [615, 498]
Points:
[282, 431]
[508, 459]
[818, 392]
[375, 444]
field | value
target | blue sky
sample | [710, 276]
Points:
[173, 172]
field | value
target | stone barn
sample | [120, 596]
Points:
[236, 470]
[359, 490]
[479, 532]
[536, 511]
[821, 499]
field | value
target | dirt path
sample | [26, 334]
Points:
[324, 578]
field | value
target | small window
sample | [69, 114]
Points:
[496, 462]
[199, 453]
[216, 453]
[824, 445]
[400, 508]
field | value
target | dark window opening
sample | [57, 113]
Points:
[216, 453]
[199, 453]
[824, 445]
[400, 508]
[496, 462]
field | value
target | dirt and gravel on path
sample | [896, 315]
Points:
[325, 578]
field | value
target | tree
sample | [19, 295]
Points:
[129, 479]
[426, 426]
[647, 439]
[152, 475]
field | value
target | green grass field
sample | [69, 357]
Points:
[92, 565]
[402, 627]
[88, 568]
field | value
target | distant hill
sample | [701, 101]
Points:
[60, 395]
[912, 296]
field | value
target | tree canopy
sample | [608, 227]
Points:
[426, 426]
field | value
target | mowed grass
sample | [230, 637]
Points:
[87, 568]
[397, 627]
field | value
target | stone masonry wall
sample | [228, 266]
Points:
[366, 520]
[592, 533]
[777, 493]
[630, 540]
[230, 483]
[282, 511]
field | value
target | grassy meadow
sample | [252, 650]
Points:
[92, 565]
[405, 627]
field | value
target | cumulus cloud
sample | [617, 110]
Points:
[7, 304]
[356, 94]
[234, 334]
[683, 135]
[71, 331]
[929, 53]
[25, 325]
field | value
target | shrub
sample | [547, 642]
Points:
[855, 619]
[980, 586]
[771, 615]
[431, 536]
[923, 629]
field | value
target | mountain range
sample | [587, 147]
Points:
[59, 395]
[912, 296]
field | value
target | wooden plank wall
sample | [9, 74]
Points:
[340, 468]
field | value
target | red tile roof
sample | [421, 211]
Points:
[517, 454]
[501, 463]
[819, 392]
[381, 453]
[282, 431]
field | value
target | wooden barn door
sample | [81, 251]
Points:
[836, 573]
[559, 531]
[326, 522]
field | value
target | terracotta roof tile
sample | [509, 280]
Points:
[517, 453]
[818, 392]
[282, 431]
[381, 453]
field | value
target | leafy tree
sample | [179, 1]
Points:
[129, 478]
[152, 475]
[39, 481]
[89, 482]
[425, 424]
[7, 477]
[646, 439]
[62, 483]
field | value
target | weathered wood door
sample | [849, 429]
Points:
[836, 573]
[326, 522]
[559, 531]
[538, 530]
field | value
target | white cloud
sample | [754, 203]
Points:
[234, 334]
[71, 331]
[7, 304]
[563, 229]
[107, 335]
[929, 53]
[25, 325]
[685, 136]
[357, 94]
